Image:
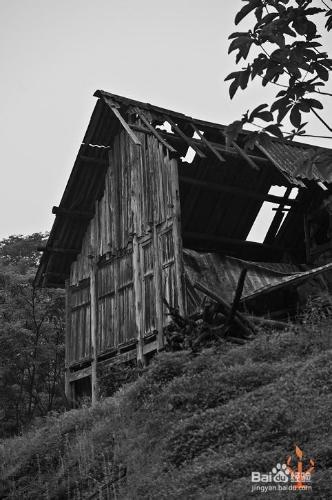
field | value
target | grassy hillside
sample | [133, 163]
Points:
[191, 427]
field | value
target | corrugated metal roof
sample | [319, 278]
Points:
[221, 274]
[292, 161]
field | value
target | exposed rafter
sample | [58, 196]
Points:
[212, 186]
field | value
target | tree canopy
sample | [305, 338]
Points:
[31, 337]
[283, 48]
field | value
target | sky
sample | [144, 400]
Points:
[55, 54]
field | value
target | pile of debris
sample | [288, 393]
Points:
[215, 320]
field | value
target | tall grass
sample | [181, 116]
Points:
[193, 426]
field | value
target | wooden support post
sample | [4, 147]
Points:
[138, 299]
[67, 344]
[158, 286]
[278, 218]
[177, 237]
[136, 159]
[94, 330]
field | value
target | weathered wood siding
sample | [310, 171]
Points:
[138, 200]
[79, 342]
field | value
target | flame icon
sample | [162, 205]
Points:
[299, 475]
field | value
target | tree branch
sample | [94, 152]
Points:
[321, 120]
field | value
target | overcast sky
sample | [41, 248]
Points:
[55, 54]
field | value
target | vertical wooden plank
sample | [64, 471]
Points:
[177, 237]
[138, 299]
[137, 277]
[157, 206]
[94, 304]
[158, 289]
[67, 343]
[93, 330]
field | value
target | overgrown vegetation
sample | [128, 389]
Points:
[192, 426]
[31, 337]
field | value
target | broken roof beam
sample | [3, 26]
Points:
[219, 147]
[154, 131]
[212, 186]
[278, 218]
[244, 154]
[207, 143]
[191, 143]
[114, 108]
[80, 214]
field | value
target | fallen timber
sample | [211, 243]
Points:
[215, 320]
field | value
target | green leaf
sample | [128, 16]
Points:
[279, 103]
[283, 112]
[235, 74]
[266, 116]
[238, 42]
[237, 34]
[295, 116]
[322, 72]
[243, 52]
[313, 10]
[274, 129]
[233, 88]
[244, 77]
[313, 103]
[246, 10]
[257, 110]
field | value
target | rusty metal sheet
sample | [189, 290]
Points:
[221, 273]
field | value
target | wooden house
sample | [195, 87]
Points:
[155, 201]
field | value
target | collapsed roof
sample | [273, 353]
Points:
[222, 188]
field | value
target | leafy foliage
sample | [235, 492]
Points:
[31, 337]
[286, 52]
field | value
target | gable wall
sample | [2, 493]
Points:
[130, 241]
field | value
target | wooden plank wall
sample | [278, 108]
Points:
[79, 339]
[138, 201]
